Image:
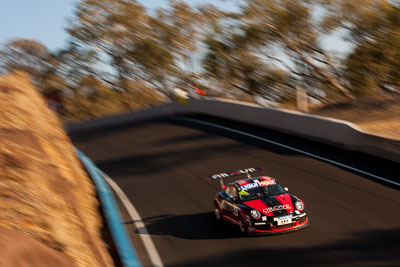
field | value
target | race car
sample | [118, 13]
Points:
[258, 204]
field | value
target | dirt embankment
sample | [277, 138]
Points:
[48, 209]
[378, 115]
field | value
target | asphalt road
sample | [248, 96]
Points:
[162, 165]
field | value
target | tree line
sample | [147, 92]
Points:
[120, 56]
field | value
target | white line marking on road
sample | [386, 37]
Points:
[294, 149]
[137, 220]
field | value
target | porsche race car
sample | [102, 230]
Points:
[258, 204]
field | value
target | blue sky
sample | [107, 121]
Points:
[45, 20]
[42, 20]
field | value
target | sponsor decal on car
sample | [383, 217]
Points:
[234, 173]
[221, 175]
[277, 208]
[257, 184]
[242, 182]
[230, 207]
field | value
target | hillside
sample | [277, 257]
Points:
[49, 214]
[379, 115]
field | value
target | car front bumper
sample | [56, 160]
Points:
[271, 227]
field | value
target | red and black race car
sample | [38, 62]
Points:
[258, 204]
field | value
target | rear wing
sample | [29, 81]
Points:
[223, 175]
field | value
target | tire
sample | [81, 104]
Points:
[218, 214]
[243, 225]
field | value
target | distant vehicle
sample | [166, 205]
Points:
[258, 204]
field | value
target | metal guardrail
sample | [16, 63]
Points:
[124, 247]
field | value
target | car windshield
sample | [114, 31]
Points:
[261, 191]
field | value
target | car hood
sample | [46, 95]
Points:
[279, 205]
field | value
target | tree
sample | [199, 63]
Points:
[228, 59]
[26, 55]
[289, 24]
[35, 59]
[114, 28]
[177, 29]
[136, 45]
[155, 61]
[232, 64]
[374, 29]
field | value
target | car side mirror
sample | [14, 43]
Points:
[286, 189]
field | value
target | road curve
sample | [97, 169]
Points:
[162, 165]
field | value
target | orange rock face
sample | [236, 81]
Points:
[46, 199]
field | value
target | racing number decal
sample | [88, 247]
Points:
[230, 207]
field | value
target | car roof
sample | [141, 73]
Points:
[242, 182]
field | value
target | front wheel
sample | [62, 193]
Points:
[243, 225]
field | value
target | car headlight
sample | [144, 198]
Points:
[299, 205]
[255, 214]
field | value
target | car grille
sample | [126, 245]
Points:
[263, 227]
[278, 227]
[266, 227]
[302, 219]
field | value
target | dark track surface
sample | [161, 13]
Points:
[161, 167]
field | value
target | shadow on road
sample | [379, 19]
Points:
[161, 161]
[191, 226]
[367, 248]
[373, 248]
